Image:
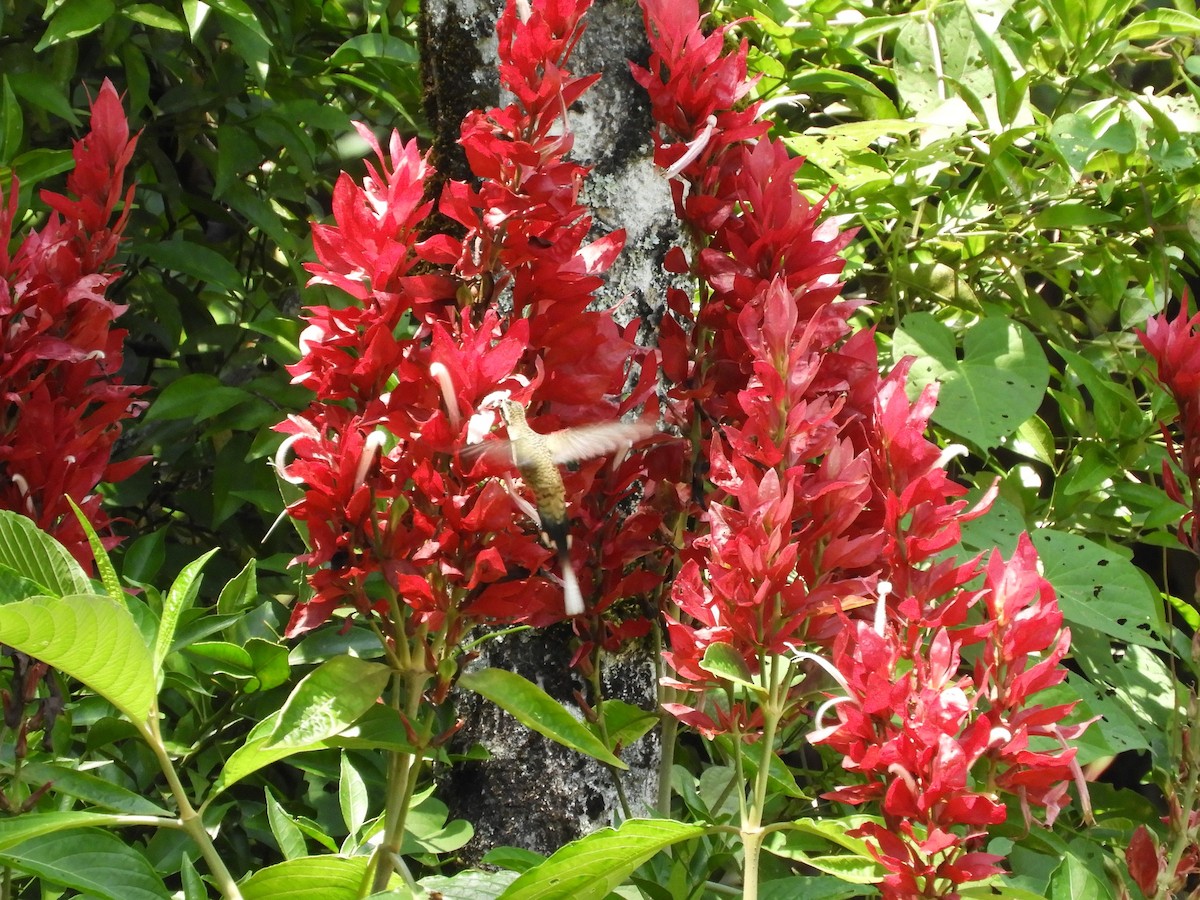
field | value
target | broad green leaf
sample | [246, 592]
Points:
[145, 556]
[536, 709]
[12, 122]
[1080, 875]
[1073, 215]
[89, 637]
[997, 385]
[73, 19]
[352, 796]
[380, 728]
[97, 863]
[179, 597]
[1157, 22]
[1133, 690]
[473, 883]
[195, 397]
[108, 575]
[810, 840]
[193, 884]
[1099, 589]
[153, 15]
[16, 830]
[625, 723]
[91, 789]
[1001, 891]
[35, 88]
[724, 662]
[239, 591]
[810, 887]
[195, 261]
[32, 554]
[308, 878]
[253, 755]
[289, 837]
[588, 869]
[373, 46]
[328, 700]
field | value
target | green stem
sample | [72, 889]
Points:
[777, 674]
[189, 819]
[403, 771]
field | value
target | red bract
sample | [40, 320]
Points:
[936, 748]
[60, 355]
[407, 375]
[825, 490]
[1174, 344]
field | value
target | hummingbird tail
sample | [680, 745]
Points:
[572, 598]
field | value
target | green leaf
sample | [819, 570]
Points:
[1157, 22]
[328, 700]
[536, 709]
[178, 598]
[16, 830]
[35, 88]
[108, 575]
[809, 841]
[12, 122]
[94, 862]
[308, 878]
[89, 637]
[256, 753]
[73, 19]
[196, 397]
[145, 556]
[998, 384]
[468, 885]
[626, 723]
[723, 661]
[380, 728]
[29, 552]
[153, 15]
[352, 796]
[270, 664]
[87, 787]
[1062, 216]
[287, 835]
[374, 46]
[196, 261]
[239, 591]
[588, 869]
[1099, 589]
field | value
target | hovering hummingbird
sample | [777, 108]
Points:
[537, 457]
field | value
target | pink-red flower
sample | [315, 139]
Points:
[63, 399]
[407, 375]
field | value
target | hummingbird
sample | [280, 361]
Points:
[537, 457]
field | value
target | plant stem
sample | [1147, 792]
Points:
[777, 675]
[190, 820]
[403, 770]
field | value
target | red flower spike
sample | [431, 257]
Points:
[391, 504]
[59, 351]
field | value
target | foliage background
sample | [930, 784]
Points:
[1013, 230]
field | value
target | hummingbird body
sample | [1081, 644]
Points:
[537, 457]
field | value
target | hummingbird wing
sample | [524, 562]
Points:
[498, 452]
[588, 441]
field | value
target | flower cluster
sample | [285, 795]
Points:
[935, 747]
[407, 376]
[1174, 344]
[60, 356]
[827, 492]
